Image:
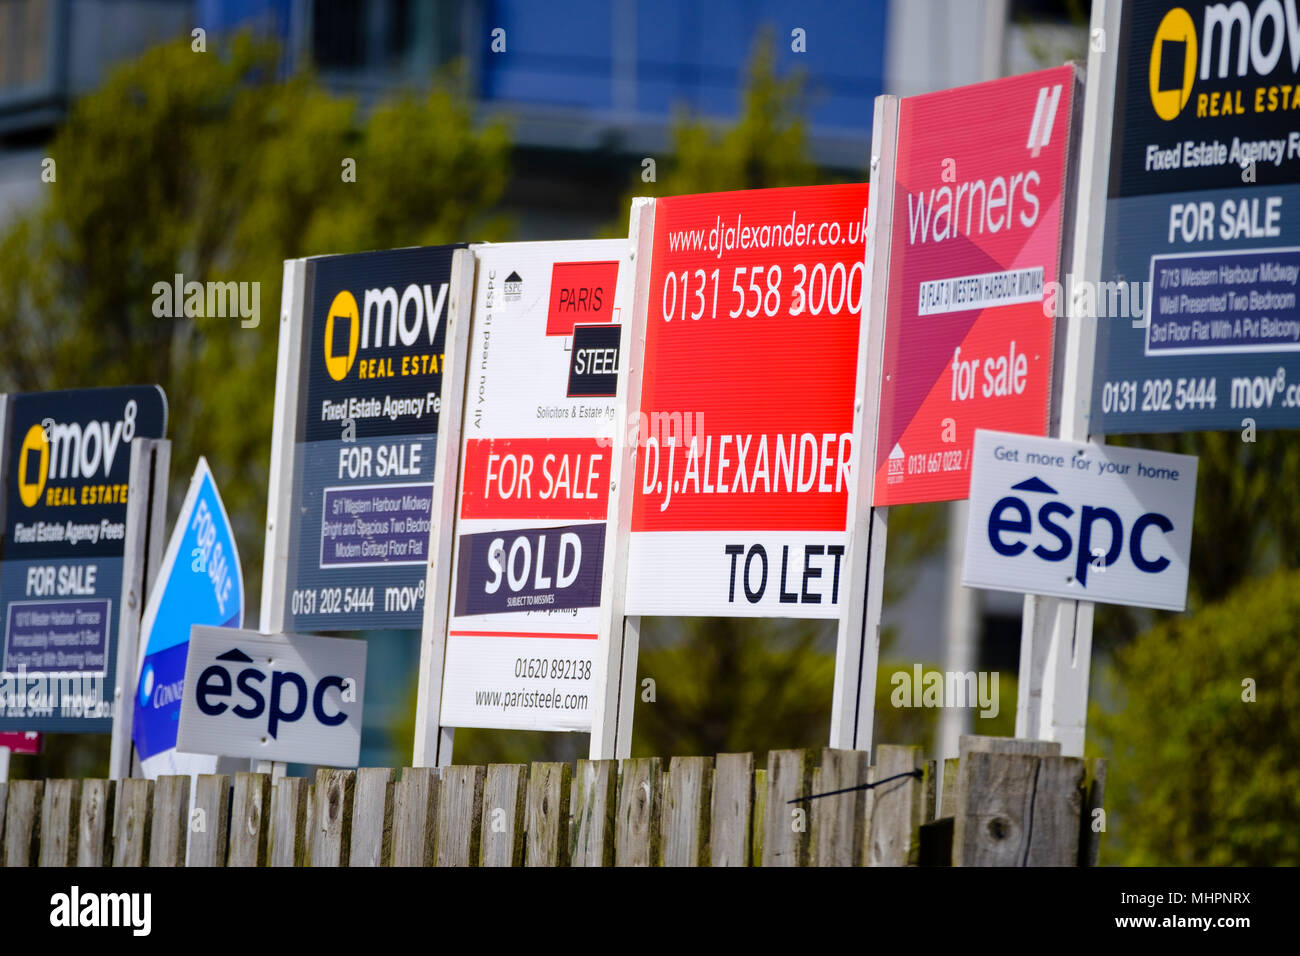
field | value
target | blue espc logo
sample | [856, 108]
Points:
[216, 683]
[1011, 516]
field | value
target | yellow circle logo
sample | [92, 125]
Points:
[339, 359]
[1173, 63]
[33, 443]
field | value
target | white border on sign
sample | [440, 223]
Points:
[324, 497]
[4, 664]
[1210, 349]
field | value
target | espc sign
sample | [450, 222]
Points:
[1080, 521]
[273, 697]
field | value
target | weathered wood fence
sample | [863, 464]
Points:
[1001, 803]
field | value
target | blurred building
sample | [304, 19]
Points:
[590, 87]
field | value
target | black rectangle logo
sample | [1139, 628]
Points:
[593, 368]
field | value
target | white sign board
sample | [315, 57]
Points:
[289, 697]
[1080, 521]
[531, 594]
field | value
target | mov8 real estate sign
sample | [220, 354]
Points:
[67, 458]
[361, 509]
[1199, 321]
[746, 414]
[976, 245]
[530, 595]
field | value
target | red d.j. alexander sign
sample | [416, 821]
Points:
[746, 418]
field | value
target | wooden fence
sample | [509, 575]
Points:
[1001, 803]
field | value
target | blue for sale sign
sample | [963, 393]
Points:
[1199, 322]
[67, 458]
[199, 582]
[364, 440]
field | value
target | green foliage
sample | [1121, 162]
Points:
[1244, 526]
[724, 685]
[210, 166]
[1198, 775]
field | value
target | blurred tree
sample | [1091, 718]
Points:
[1243, 527]
[210, 166]
[1200, 772]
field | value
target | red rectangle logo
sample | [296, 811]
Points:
[545, 479]
[581, 293]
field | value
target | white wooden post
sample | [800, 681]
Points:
[857, 644]
[1056, 635]
[961, 629]
[146, 524]
[433, 742]
[279, 489]
[615, 686]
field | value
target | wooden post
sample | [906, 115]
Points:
[59, 823]
[504, 795]
[433, 742]
[331, 821]
[974, 743]
[209, 825]
[1056, 809]
[415, 816]
[171, 805]
[636, 831]
[23, 823]
[731, 811]
[1093, 818]
[372, 818]
[142, 549]
[460, 816]
[687, 803]
[593, 802]
[948, 791]
[786, 837]
[760, 816]
[248, 819]
[839, 822]
[94, 827]
[288, 821]
[1018, 810]
[134, 817]
[547, 820]
[896, 809]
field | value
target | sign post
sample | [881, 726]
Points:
[273, 697]
[745, 407]
[67, 458]
[531, 612]
[360, 441]
[980, 186]
[200, 582]
[1064, 519]
[146, 517]
[857, 643]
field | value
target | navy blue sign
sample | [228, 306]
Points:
[67, 458]
[536, 569]
[593, 369]
[372, 354]
[1198, 326]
